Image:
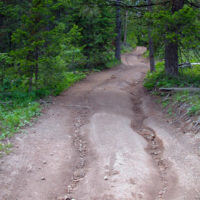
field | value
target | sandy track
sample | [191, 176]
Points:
[103, 139]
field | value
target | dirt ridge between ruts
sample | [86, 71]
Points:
[80, 116]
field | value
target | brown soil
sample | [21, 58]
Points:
[103, 139]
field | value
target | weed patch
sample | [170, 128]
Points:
[18, 108]
[184, 103]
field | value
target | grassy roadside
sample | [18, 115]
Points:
[183, 104]
[18, 109]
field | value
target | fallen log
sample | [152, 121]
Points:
[187, 65]
[195, 64]
[179, 89]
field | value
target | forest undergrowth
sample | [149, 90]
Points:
[179, 105]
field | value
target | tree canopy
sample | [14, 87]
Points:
[43, 39]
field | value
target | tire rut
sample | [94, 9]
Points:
[155, 145]
[155, 149]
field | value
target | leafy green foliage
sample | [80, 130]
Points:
[47, 46]
[16, 116]
[192, 100]
[69, 79]
[179, 29]
[13, 116]
[188, 77]
[18, 109]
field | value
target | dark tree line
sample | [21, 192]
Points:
[42, 40]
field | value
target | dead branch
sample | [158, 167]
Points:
[179, 89]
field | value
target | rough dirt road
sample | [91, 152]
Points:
[103, 139]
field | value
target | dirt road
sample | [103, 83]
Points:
[103, 139]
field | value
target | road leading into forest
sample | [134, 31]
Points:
[103, 139]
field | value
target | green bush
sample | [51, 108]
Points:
[69, 79]
[15, 116]
[187, 78]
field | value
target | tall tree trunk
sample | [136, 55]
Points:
[2, 75]
[118, 31]
[36, 66]
[31, 80]
[30, 71]
[125, 27]
[151, 46]
[171, 58]
[171, 47]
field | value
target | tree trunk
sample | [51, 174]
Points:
[171, 58]
[2, 75]
[31, 71]
[151, 52]
[125, 27]
[179, 89]
[36, 66]
[31, 80]
[151, 46]
[171, 47]
[118, 31]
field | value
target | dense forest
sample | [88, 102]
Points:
[41, 40]
[47, 45]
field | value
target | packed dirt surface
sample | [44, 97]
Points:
[103, 139]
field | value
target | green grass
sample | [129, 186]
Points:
[14, 116]
[192, 99]
[17, 109]
[112, 63]
[126, 49]
[69, 79]
[187, 78]
[146, 54]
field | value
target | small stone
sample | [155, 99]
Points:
[29, 170]
[66, 197]
[43, 178]
[105, 178]
[44, 162]
[69, 188]
[115, 172]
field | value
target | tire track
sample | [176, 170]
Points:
[155, 149]
[155, 145]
